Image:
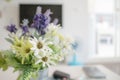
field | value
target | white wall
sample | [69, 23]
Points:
[117, 6]
[75, 21]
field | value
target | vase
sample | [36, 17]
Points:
[42, 75]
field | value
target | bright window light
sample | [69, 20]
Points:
[105, 30]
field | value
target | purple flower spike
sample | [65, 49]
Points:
[11, 28]
[25, 26]
[37, 17]
[25, 29]
[42, 32]
[41, 21]
[48, 12]
[47, 15]
[55, 21]
[38, 10]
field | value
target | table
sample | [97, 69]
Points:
[77, 73]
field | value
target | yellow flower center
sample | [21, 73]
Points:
[19, 45]
[39, 45]
[27, 50]
[44, 59]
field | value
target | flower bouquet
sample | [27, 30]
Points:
[35, 47]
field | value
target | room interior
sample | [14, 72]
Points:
[92, 24]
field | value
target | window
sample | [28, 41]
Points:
[102, 15]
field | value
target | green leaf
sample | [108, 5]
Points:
[5, 67]
[3, 63]
[9, 59]
[9, 40]
[20, 77]
[27, 73]
[36, 35]
[55, 49]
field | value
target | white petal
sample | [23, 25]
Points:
[33, 43]
[40, 39]
[33, 48]
[43, 64]
[38, 56]
[47, 64]
[36, 53]
[38, 62]
[49, 43]
[35, 39]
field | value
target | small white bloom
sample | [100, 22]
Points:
[25, 22]
[40, 46]
[46, 60]
[52, 27]
[59, 56]
[52, 30]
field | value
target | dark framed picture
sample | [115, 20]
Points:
[27, 11]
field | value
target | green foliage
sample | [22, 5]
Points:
[8, 58]
[9, 40]
[55, 49]
[36, 35]
[27, 73]
[3, 64]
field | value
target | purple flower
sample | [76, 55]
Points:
[55, 21]
[37, 17]
[25, 29]
[47, 15]
[11, 28]
[43, 32]
[39, 23]
[25, 26]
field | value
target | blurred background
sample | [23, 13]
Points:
[94, 25]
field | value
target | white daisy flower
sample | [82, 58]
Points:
[52, 30]
[52, 27]
[46, 60]
[59, 56]
[40, 46]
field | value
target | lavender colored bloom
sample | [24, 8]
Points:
[47, 15]
[38, 10]
[11, 28]
[37, 17]
[43, 32]
[25, 29]
[55, 21]
[25, 26]
[42, 21]
[39, 23]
